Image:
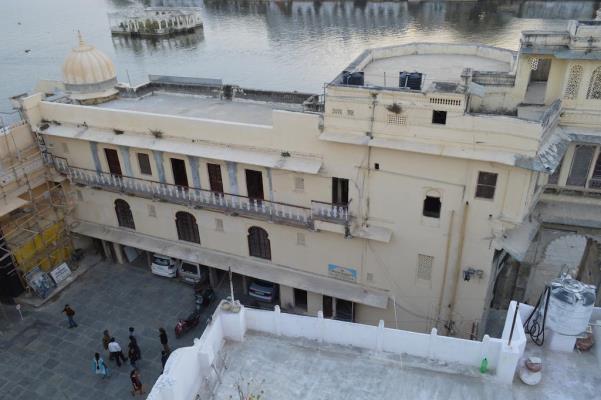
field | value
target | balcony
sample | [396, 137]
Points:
[232, 204]
[592, 189]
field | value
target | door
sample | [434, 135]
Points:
[180, 177]
[112, 159]
[215, 179]
[254, 184]
[339, 191]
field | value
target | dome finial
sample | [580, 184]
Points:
[81, 42]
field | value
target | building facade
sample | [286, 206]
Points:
[393, 196]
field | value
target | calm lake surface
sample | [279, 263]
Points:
[295, 45]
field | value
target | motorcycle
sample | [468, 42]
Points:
[184, 325]
[202, 297]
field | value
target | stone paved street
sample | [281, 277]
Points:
[40, 358]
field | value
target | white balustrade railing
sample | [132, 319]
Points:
[225, 202]
[329, 211]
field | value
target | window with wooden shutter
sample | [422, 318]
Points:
[187, 229]
[124, 215]
[258, 243]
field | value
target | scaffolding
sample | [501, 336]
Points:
[34, 206]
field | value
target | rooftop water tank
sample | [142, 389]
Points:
[570, 306]
[410, 80]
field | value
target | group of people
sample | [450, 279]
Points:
[134, 354]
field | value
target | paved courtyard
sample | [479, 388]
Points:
[40, 358]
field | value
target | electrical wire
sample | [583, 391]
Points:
[534, 326]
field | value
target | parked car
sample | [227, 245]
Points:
[164, 266]
[192, 273]
[263, 291]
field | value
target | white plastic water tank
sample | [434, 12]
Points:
[570, 306]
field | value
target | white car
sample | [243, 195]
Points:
[164, 266]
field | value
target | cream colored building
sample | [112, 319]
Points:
[374, 202]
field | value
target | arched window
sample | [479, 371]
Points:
[187, 229]
[258, 243]
[124, 215]
[573, 84]
[594, 87]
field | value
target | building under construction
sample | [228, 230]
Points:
[34, 238]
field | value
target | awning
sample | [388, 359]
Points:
[241, 265]
[261, 157]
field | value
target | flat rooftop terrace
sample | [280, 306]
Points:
[286, 368]
[205, 107]
[436, 67]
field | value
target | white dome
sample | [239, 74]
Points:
[88, 73]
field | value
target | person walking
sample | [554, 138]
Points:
[132, 338]
[106, 338]
[99, 366]
[116, 351]
[70, 314]
[164, 340]
[132, 353]
[164, 358]
[136, 383]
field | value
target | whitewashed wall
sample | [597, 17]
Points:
[177, 381]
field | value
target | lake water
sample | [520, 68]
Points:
[295, 45]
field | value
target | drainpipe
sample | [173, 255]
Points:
[446, 267]
[457, 268]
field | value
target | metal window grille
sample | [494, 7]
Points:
[152, 212]
[594, 87]
[424, 267]
[300, 239]
[299, 183]
[219, 224]
[397, 119]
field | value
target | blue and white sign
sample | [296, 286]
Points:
[342, 273]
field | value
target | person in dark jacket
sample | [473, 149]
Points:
[164, 358]
[134, 340]
[132, 354]
[70, 314]
[164, 340]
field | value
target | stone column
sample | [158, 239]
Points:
[118, 253]
[232, 172]
[124, 150]
[213, 279]
[95, 157]
[106, 249]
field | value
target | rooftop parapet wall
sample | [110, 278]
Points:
[198, 360]
[580, 35]
[372, 55]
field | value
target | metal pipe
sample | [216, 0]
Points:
[515, 315]
[446, 267]
[458, 264]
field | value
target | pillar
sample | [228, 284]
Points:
[118, 253]
[314, 303]
[286, 296]
[213, 279]
[232, 172]
[148, 258]
[158, 160]
[106, 249]
[95, 157]
[244, 284]
[270, 184]
[124, 150]
[194, 168]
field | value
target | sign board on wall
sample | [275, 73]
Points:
[60, 273]
[342, 273]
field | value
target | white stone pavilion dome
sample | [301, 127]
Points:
[89, 75]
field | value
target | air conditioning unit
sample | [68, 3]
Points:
[410, 80]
